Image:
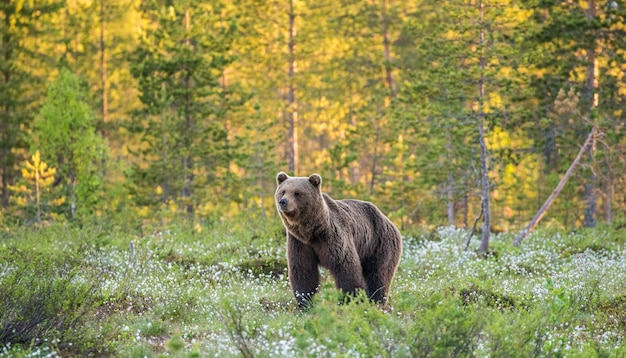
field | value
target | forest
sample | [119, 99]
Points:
[143, 113]
[140, 142]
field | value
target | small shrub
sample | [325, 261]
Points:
[43, 301]
[446, 328]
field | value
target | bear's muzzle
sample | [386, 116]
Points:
[283, 204]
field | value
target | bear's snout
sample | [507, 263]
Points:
[283, 203]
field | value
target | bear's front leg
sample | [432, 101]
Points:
[304, 274]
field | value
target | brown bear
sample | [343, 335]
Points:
[359, 245]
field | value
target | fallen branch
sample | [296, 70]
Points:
[522, 235]
[471, 233]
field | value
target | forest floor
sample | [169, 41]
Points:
[68, 291]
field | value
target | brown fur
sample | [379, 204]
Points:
[352, 239]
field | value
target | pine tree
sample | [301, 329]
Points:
[38, 178]
[23, 64]
[578, 48]
[461, 89]
[180, 65]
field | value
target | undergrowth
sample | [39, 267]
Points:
[96, 290]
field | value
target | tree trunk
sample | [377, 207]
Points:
[103, 71]
[609, 193]
[188, 159]
[389, 78]
[72, 196]
[374, 161]
[5, 148]
[450, 184]
[292, 110]
[450, 200]
[465, 204]
[38, 193]
[164, 152]
[557, 190]
[4, 165]
[484, 243]
[590, 102]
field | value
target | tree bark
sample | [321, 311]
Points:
[450, 200]
[188, 161]
[557, 190]
[103, 71]
[389, 78]
[374, 160]
[590, 102]
[609, 193]
[292, 110]
[5, 148]
[484, 243]
[450, 183]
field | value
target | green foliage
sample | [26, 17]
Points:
[65, 133]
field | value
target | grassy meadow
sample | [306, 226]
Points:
[224, 292]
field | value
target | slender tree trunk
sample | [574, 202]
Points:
[450, 184]
[484, 243]
[389, 78]
[103, 71]
[466, 206]
[38, 193]
[164, 153]
[260, 156]
[5, 166]
[292, 106]
[609, 193]
[72, 196]
[542, 211]
[450, 200]
[390, 84]
[374, 161]
[590, 102]
[188, 159]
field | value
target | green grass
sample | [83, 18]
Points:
[224, 292]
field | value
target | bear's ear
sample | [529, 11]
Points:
[281, 177]
[316, 180]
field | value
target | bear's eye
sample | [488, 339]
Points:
[283, 193]
[296, 193]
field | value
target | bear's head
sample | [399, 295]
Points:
[299, 198]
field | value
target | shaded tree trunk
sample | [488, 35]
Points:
[5, 140]
[103, 71]
[374, 160]
[450, 200]
[292, 110]
[484, 243]
[450, 183]
[590, 102]
[188, 160]
[389, 78]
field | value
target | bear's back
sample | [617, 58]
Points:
[366, 224]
